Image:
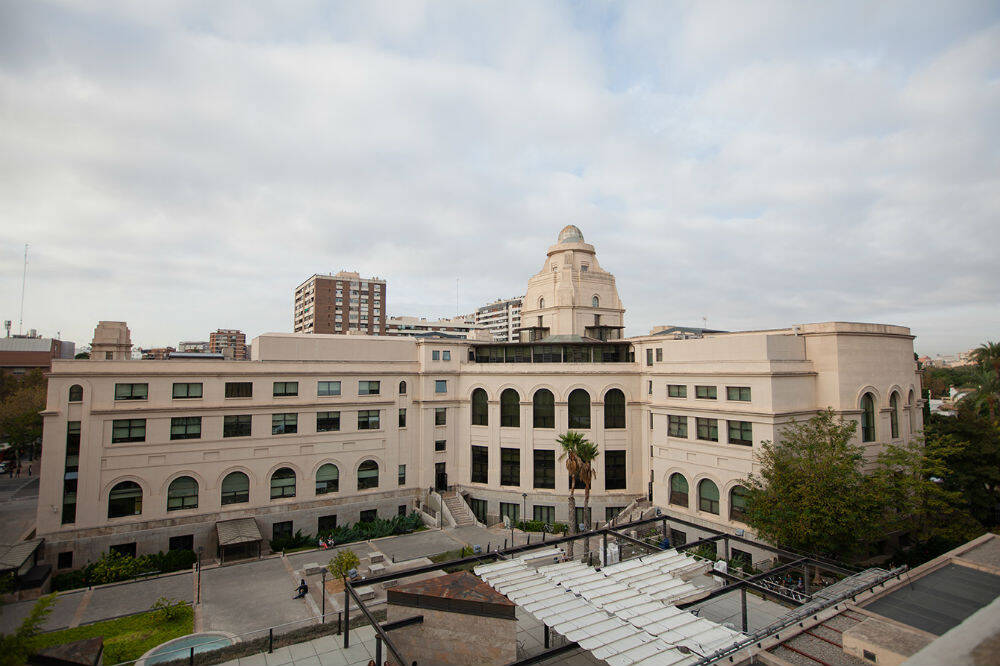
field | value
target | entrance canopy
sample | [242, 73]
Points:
[237, 531]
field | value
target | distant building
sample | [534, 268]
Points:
[502, 318]
[112, 342]
[20, 354]
[157, 353]
[200, 347]
[341, 303]
[229, 342]
[457, 327]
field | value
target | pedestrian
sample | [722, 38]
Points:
[17, 473]
[29, 470]
[302, 589]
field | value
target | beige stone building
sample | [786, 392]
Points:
[318, 430]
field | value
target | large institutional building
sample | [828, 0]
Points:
[318, 429]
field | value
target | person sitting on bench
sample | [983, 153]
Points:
[302, 589]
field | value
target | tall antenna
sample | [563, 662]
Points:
[24, 277]
[458, 307]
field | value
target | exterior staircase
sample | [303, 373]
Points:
[459, 509]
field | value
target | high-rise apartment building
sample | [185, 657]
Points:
[502, 317]
[341, 303]
[459, 327]
[229, 342]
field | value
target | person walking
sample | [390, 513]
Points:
[17, 472]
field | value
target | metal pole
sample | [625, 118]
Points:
[347, 616]
[270, 640]
[743, 604]
[199, 578]
[340, 621]
[191, 657]
[725, 545]
[805, 578]
[546, 637]
[378, 649]
[604, 562]
[322, 591]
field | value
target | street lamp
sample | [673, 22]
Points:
[524, 511]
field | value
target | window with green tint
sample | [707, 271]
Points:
[741, 432]
[368, 419]
[187, 390]
[708, 496]
[706, 392]
[182, 493]
[677, 391]
[480, 407]
[677, 426]
[440, 416]
[185, 427]
[510, 409]
[543, 409]
[368, 387]
[402, 417]
[283, 483]
[480, 464]
[544, 513]
[284, 424]
[236, 426]
[440, 386]
[235, 488]
[327, 421]
[128, 430]
[327, 479]
[285, 389]
[131, 391]
[368, 475]
[614, 409]
[545, 469]
[708, 429]
[579, 409]
[678, 490]
[510, 467]
[327, 388]
[401, 476]
[741, 393]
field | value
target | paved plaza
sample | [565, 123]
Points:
[18, 503]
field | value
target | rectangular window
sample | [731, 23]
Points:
[480, 464]
[706, 392]
[72, 446]
[327, 421]
[708, 429]
[65, 560]
[326, 524]
[649, 387]
[510, 510]
[368, 388]
[436, 355]
[510, 467]
[282, 530]
[611, 511]
[479, 508]
[131, 391]
[446, 355]
[401, 510]
[284, 424]
[401, 477]
[741, 432]
[741, 393]
[440, 444]
[440, 386]
[659, 354]
[128, 430]
[649, 356]
[402, 417]
[545, 469]
[545, 514]
[182, 542]
[368, 419]
[185, 427]
[239, 389]
[368, 516]
[285, 389]
[677, 391]
[614, 470]
[651, 420]
[236, 426]
[677, 426]
[327, 388]
[187, 390]
[440, 416]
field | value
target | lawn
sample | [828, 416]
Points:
[125, 638]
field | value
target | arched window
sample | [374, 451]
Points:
[579, 409]
[182, 493]
[125, 499]
[480, 408]
[510, 409]
[543, 409]
[283, 483]
[708, 496]
[614, 409]
[894, 415]
[595, 302]
[402, 388]
[738, 504]
[368, 475]
[76, 393]
[678, 489]
[541, 303]
[327, 479]
[235, 488]
[867, 418]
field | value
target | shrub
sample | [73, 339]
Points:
[341, 565]
[112, 567]
[69, 580]
[7, 583]
[539, 526]
[167, 609]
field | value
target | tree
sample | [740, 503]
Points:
[21, 403]
[811, 494]
[984, 400]
[15, 648]
[569, 442]
[82, 355]
[341, 565]
[587, 452]
[987, 356]
[969, 447]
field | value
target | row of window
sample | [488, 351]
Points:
[544, 468]
[708, 497]
[125, 498]
[739, 432]
[735, 393]
[868, 431]
[543, 406]
[186, 390]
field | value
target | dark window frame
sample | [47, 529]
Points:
[179, 393]
[327, 421]
[132, 428]
[284, 389]
[480, 407]
[677, 391]
[706, 429]
[743, 432]
[371, 387]
[369, 419]
[239, 389]
[544, 469]
[614, 470]
[328, 388]
[578, 417]
[739, 392]
[543, 409]
[510, 466]
[677, 426]
[706, 392]
[480, 472]
[185, 427]
[127, 391]
[284, 423]
[234, 425]
[510, 408]
[614, 409]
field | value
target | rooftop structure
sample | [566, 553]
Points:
[21, 354]
[458, 327]
[112, 342]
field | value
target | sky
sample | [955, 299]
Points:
[184, 166]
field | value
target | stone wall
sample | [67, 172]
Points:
[454, 638]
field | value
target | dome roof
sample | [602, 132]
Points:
[570, 234]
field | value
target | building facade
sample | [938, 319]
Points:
[229, 342]
[458, 327]
[321, 430]
[112, 342]
[20, 354]
[340, 304]
[193, 347]
[502, 318]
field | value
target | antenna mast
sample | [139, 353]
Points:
[24, 277]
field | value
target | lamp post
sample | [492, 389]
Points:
[524, 512]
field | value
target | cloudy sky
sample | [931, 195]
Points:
[183, 166]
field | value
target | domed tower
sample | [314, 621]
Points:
[572, 295]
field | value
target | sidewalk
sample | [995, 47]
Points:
[323, 651]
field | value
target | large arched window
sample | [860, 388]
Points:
[182, 493]
[738, 504]
[579, 409]
[510, 409]
[283, 483]
[480, 408]
[708, 496]
[867, 418]
[894, 415]
[541, 303]
[402, 388]
[595, 302]
[368, 475]
[327, 479]
[76, 393]
[678, 489]
[125, 499]
[543, 409]
[614, 409]
[235, 488]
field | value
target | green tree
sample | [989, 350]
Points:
[21, 404]
[811, 494]
[342, 563]
[15, 647]
[82, 355]
[987, 356]
[969, 447]
[587, 452]
[569, 442]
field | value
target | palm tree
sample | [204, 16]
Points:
[987, 356]
[570, 441]
[586, 452]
